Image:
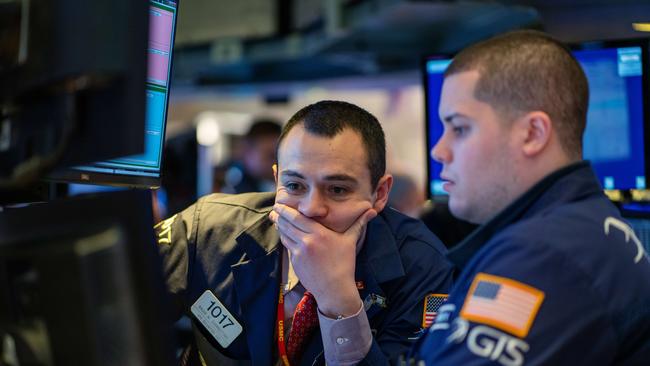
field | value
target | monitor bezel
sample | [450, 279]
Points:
[73, 175]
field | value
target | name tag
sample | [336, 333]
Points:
[216, 319]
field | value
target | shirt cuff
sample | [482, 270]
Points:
[346, 341]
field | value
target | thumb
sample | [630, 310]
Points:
[357, 227]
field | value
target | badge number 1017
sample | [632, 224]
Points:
[214, 316]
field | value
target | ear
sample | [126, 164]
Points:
[275, 173]
[381, 193]
[538, 129]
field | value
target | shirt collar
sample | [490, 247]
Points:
[289, 277]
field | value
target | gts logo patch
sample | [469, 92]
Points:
[487, 342]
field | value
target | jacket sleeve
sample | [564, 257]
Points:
[427, 271]
[175, 240]
[564, 318]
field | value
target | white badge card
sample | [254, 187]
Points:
[214, 316]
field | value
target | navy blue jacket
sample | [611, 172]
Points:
[555, 279]
[227, 244]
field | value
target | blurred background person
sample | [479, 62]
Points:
[405, 196]
[251, 172]
[451, 230]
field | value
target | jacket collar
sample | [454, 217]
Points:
[260, 238]
[380, 251]
[379, 261]
[572, 182]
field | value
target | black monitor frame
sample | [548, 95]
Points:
[82, 266]
[86, 175]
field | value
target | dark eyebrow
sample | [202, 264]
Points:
[341, 178]
[333, 177]
[292, 173]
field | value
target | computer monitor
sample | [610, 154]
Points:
[81, 284]
[616, 133]
[72, 84]
[434, 68]
[141, 170]
[618, 115]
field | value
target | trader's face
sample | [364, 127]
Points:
[475, 151]
[326, 179]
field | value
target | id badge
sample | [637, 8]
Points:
[214, 316]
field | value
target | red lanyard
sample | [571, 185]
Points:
[282, 348]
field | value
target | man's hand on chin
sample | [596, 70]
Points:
[323, 259]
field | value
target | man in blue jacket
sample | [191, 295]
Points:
[553, 276]
[319, 272]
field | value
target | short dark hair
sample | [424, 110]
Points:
[329, 118]
[524, 71]
[262, 127]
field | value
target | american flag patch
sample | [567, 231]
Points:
[431, 305]
[502, 303]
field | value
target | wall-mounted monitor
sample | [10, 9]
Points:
[617, 133]
[142, 170]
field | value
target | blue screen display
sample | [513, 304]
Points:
[434, 77]
[162, 20]
[614, 137]
[613, 140]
